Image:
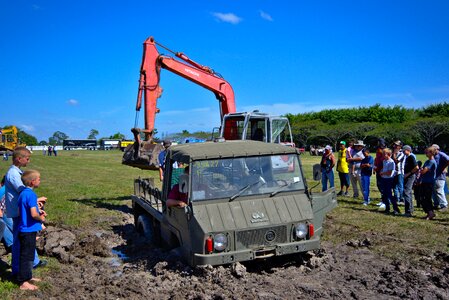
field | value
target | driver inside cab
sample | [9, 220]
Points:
[178, 195]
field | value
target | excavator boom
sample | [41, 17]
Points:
[143, 154]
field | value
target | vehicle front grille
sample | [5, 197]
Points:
[261, 237]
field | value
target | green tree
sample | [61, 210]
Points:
[334, 134]
[43, 143]
[57, 138]
[302, 132]
[93, 134]
[117, 136]
[24, 138]
[429, 129]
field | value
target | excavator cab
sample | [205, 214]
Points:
[257, 126]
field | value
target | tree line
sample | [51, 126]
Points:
[417, 127]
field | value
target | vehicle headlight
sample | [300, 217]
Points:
[220, 242]
[301, 230]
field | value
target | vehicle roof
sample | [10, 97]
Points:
[213, 150]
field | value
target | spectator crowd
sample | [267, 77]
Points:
[400, 177]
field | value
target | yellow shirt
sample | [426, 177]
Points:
[342, 164]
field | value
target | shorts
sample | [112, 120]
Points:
[344, 179]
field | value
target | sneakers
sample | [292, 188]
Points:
[408, 215]
[443, 209]
[380, 204]
[346, 194]
[365, 203]
[340, 193]
[396, 213]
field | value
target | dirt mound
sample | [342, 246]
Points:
[120, 264]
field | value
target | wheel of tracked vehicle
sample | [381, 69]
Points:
[149, 229]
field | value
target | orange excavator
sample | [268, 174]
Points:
[235, 126]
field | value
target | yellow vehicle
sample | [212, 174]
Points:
[9, 139]
[124, 144]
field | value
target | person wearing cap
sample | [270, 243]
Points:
[410, 170]
[343, 169]
[398, 157]
[327, 166]
[355, 160]
[161, 158]
[442, 161]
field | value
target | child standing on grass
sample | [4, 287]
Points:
[31, 219]
[387, 174]
[14, 185]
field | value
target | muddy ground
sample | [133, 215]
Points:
[119, 264]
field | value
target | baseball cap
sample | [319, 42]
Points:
[407, 147]
[167, 143]
[436, 146]
[343, 143]
[328, 147]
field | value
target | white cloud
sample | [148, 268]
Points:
[266, 16]
[72, 102]
[228, 17]
[27, 128]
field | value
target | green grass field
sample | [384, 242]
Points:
[87, 189]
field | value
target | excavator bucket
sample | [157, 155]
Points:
[143, 155]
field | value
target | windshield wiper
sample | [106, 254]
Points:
[247, 187]
[283, 187]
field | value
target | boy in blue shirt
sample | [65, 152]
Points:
[387, 175]
[366, 166]
[30, 223]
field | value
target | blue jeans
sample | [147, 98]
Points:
[446, 189]
[15, 255]
[387, 195]
[7, 233]
[398, 187]
[325, 177]
[365, 186]
[439, 197]
[408, 191]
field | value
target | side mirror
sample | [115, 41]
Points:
[317, 172]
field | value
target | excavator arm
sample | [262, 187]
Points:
[150, 90]
[143, 154]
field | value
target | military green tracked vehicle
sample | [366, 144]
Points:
[244, 200]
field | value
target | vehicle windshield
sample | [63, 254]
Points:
[236, 177]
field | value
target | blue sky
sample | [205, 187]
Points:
[73, 66]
